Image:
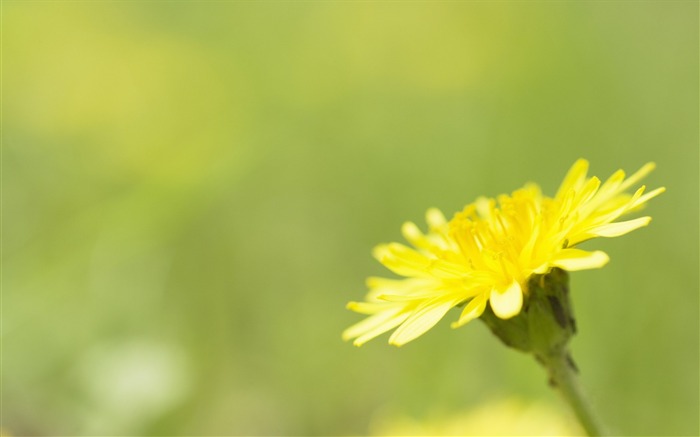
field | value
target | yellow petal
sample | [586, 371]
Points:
[380, 251]
[636, 177]
[574, 178]
[542, 269]
[376, 328]
[589, 190]
[380, 287]
[484, 207]
[472, 310]
[648, 196]
[425, 294]
[386, 283]
[621, 228]
[577, 259]
[507, 303]
[369, 323]
[612, 183]
[435, 218]
[424, 318]
[366, 307]
[402, 260]
[411, 232]
[414, 236]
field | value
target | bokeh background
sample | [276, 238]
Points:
[191, 191]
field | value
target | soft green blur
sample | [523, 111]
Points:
[191, 192]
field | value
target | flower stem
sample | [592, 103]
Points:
[562, 372]
[544, 328]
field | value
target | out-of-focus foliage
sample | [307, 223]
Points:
[501, 417]
[191, 191]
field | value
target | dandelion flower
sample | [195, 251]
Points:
[486, 254]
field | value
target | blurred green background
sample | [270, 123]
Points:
[191, 191]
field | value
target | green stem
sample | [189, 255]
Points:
[563, 376]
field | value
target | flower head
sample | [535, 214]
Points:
[486, 254]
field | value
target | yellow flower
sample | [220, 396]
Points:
[488, 251]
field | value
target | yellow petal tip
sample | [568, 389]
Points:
[507, 303]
